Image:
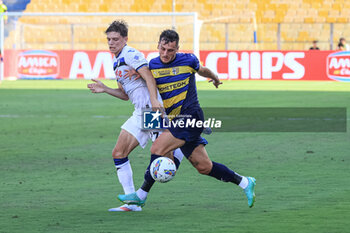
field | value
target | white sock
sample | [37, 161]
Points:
[125, 177]
[244, 182]
[142, 194]
[178, 154]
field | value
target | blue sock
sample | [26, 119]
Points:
[177, 162]
[148, 182]
[119, 162]
[223, 173]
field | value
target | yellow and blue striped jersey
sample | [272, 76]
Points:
[176, 83]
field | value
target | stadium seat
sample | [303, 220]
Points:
[220, 18]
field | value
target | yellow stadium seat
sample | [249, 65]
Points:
[103, 8]
[238, 15]
[309, 20]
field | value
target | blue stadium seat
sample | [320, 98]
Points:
[14, 6]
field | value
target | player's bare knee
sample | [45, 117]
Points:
[204, 170]
[116, 154]
[203, 167]
[155, 149]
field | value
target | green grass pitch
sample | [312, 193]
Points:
[57, 174]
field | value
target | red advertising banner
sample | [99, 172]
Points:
[229, 65]
[63, 64]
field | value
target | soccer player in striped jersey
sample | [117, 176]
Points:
[175, 77]
[141, 92]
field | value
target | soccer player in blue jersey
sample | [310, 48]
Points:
[175, 77]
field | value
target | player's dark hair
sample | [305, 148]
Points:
[169, 36]
[118, 26]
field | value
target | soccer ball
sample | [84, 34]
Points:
[163, 169]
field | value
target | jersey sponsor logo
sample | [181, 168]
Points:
[172, 86]
[37, 64]
[338, 66]
[176, 70]
[160, 73]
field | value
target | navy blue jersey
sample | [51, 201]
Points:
[176, 83]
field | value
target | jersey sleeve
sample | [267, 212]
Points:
[195, 64]
[152, 63]
[135, 59]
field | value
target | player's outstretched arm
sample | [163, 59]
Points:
[207, 73]
[151, 85]
[99, 87]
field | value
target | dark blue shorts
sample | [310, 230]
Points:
[192, 135]
[189, 147]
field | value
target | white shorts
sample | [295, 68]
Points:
[134, 126]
